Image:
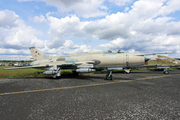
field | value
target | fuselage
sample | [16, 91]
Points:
[86, 62]
[102, 60]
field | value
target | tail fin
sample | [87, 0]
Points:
[37, 54]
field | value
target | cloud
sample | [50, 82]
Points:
[16, 35]
[117, 43]
[144, 9]
[169, 7]
[131, 30]
[120, 2]
[22, 37]
[173, 28]
[62, 28]
[69, 47]
[13, 51]
[70, 44]
[126, 9]
[15, 57]
[39, 19]
[8, 19]
[155, 44]
[24, 0]
[137, 29]
[145, 26]
[83, 8]
[113, 26]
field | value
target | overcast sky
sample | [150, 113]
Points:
[59, 27]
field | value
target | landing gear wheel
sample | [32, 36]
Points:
[108, 77]
[166, 72]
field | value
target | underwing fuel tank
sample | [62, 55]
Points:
[50, 72]
[85, 70]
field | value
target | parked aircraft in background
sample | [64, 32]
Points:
[86, 62]
[162, 62]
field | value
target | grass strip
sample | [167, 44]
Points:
[21, 73]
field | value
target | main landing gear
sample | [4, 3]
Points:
[166, 71]
[109, 76]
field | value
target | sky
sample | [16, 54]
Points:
[59, 27]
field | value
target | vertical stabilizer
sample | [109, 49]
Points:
[37, 54]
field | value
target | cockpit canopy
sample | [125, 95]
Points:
[116, 51]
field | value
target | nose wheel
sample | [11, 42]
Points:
[109, 76]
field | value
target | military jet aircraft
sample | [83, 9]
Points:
[86, 62]
[162, 62]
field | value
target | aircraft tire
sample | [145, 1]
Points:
[108, 77]
[166, 72]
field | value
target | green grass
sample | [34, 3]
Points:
[30, 72]
[20, 73]
[66, 72]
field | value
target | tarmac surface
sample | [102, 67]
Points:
[138, 95]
